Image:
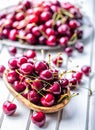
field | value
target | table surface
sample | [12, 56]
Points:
[79, 114]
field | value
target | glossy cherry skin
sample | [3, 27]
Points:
[73, 83]
[13, 34]
[69, 51]
[9, 108]
[30, 38]
[50, 31]
[37, 84]
[30, 54]
[19, 87]
[2, 69]
[40, 66]
[58, 61]
[55, 88]
[42, 40]
[62, 29]
[45, 16]
[21, 60]
[19, 16]
[63, 41]
[12, 63]
[33, 97]
[38, 118]
[12, 50]
[86, 70]
[36, 32]
[33, 18]
[26, 68]
[46, 75]
[12, 76]
[79, 47]
[67, 5]
[51, 41]
[78, 75]
[74, 24]
[64, 83]
[48, 100]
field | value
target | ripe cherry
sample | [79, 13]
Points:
[79, 47]
[51, 41]
[12, 50]
[9, 108]
[73, 83]
[38, 118]
[86, 70]
[32, 18]
[58, 61]
[46, 75]
[13, 34]
[21, 60]
[12, 63]
[30, 38]
[63, 41]
[45, 16]
[69, 51]
[12, 76]
[78, 75]
[2, 69]
[30, 54]
[64, 83]
[37, 84]
[48, 100]
[19, 16]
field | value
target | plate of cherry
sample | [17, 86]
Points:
[44, 25]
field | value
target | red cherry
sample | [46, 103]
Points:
[13, 34]
[30, 38]
[9, 108]
[69, 51]
[45, 16]
[40, 66]
[86, 70]
[42, 40]
[12, 63]
[38, 118]
[37, 84]
[67, 5]
[48, 100]
[73, 83]
[63, 41]
[55, 88]
[2, 69]
[35, 31]
[51, 41]
[64, 83]
[21, 60]
[26, 68]
[58, 61]
[49, 23]
[12, 76]
[32, 18]
[19, 87]
[62, 29]
[33, 97]
[50, 31]
[5, 33]
[37, 11]
[19, 16]
[46, 75]
[78, 76]
[12, 50]
[30, 54]
[74, 24]
[79, 47]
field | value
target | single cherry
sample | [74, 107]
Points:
[58, 61]
[2, 69]
[46, 75]
[79, 47]
[30, 54]
[69, 51]
[86, 70]
[12, 50]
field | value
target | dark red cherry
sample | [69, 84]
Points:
[50, 31]
[55, 73]
[26, 4]
[37, 11]
[5, 33]
[37, 84]
[42, 40]
[2, 69]
[46, 75]
[74, 24]
[67, 5]
[73, 83]
[19, 16]
[49, 23]
[27, 68]
[30, 38]
[12, 50]
[12, 76]
[45, 16]
[18, 86]
[9, 108]
[33, 97]
[63, 41]
[35, 31]
[40, 66]
[12, 63]
[79, 47]
[86, 70]
[55, 88]
[38, 118]
[58, 61]
[21, 60]
[13, 34]
[62, 29]
[69, 51]
[51, 41]
[29, 27]
[64, 83]
[30, 54]
[32, 18]
[78, 75]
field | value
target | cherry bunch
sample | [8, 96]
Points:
[39, 82]
[47, 23]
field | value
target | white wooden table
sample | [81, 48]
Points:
[79, 114]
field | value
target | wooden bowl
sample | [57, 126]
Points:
[32, 106]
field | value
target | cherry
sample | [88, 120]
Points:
[19, 16]
[78, 75]
[11, 16]
[9, 108]
[32, 18]
[63, 41]
[62, 29]
[42, 27]
[48, 100]
[64, 83]
[45, 16]
[26, 68]
[13, 34]
[21, 60]
[42, 40]
[58, 61]
[5, 33]
[38, 118]
[37, 84]
[55, 74]
[35, 31]
[26, 4]
[12, 76]
[30, 38]
[2, 69]
[50, 31]
[69, 51]
[15, 24]
[55, 88]
[74, 24]
[8, 23]
[37, 11]
[30, 54]
[29, 27]
[49, 23]
[33, 97]
[19, 87]
[79, 47]
[22, 24]
[79, 34]
[56, 3]
[12, 50]
[51, 41]
[86, 70]
[46, 75]
[40, 66]
[12, 63]
[73, 83]
[67, 5]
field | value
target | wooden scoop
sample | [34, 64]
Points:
[32, 106]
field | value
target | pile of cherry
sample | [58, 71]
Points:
[40, 82]
[47, 23]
